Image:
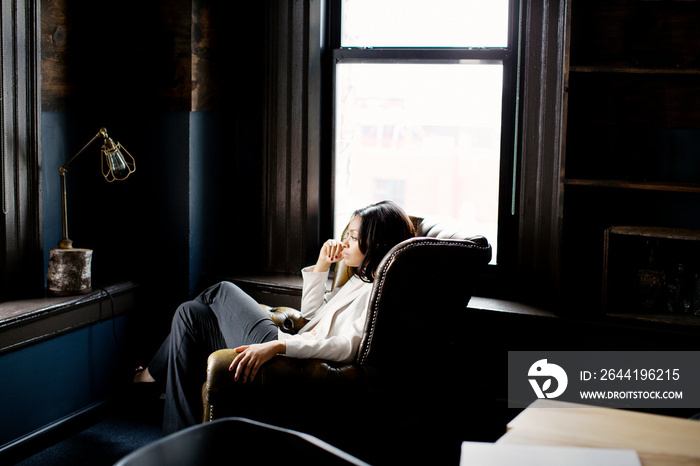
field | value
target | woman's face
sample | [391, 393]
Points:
[352, 254]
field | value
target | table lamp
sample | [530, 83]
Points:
[69, 268]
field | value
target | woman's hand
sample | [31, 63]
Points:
[252, 357]
[331, 252]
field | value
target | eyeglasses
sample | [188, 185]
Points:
[347, 235]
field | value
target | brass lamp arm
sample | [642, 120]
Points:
[102, 132]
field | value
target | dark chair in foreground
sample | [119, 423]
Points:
[417, 304]
[234, 441]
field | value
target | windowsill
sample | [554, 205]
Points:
[285, 290]
[291, 285]
[509, 307]
[29, 321]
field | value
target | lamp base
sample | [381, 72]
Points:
[69, 272]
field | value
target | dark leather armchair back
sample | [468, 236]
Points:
[420, 286]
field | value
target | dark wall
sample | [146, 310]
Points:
[40, 389]
[180, 85]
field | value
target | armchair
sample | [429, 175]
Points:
[420, 287]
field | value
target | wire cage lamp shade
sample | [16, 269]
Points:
[114, 165]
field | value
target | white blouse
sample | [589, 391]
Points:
[336, 319]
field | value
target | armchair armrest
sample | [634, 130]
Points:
[223, 396]
[280, 369]
[220, 379]
[286, 318]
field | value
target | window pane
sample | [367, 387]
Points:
[424, 135]
[423, 23]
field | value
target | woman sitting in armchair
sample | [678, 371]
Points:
[223, 316]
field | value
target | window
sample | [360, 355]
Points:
[424, 108]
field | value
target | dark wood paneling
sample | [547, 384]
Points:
[630, 33]
[20, 234]
[54, 41]
[104, 50]
[227, 39]
[292, 134]
[540, 172]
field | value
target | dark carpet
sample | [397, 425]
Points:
[126, 425]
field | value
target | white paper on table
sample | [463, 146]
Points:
[498, 454]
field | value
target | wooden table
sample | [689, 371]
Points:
[658, 440]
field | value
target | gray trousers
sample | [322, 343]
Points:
[223, 316]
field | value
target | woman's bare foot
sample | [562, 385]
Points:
[143, 376]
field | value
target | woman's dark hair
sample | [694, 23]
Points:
[383, 226]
